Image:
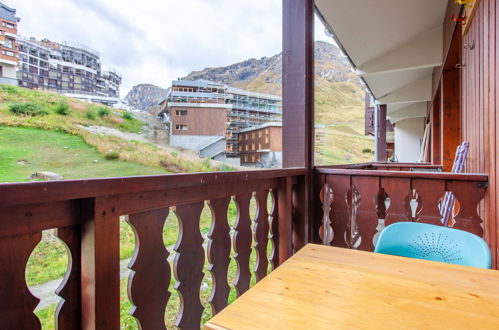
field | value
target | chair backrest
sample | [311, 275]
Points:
[437, 243]
[458, 167]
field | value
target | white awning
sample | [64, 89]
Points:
[394, 46]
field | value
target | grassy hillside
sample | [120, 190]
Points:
[51, 113]
[24, 151]
[340, 107]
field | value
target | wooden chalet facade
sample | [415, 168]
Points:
[338, 205]
[258, 143]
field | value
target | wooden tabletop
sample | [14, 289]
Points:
[331, 288]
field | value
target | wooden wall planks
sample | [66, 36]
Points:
[479, 112]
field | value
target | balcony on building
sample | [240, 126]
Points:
[412, 57]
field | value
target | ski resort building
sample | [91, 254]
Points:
[8, 45]
[67, 68]
[261, 145]
[203, 112]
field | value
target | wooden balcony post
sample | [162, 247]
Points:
[298, 83]
[436, 150]
[298, 103]
[100, 265]
[380, 132]
[450, 117]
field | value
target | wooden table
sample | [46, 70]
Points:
[331, 288]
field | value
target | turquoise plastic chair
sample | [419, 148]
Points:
[436, 243]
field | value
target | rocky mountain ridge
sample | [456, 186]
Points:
[145, 96]
[264, 75]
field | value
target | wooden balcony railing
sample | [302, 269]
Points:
[358, 204]
[387, 166]
[85, 214]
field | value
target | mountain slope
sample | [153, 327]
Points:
[338, 99]
[264, 75]
[145, 96]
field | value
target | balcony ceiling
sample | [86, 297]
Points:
[394, 46]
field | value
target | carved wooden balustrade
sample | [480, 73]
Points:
[86, 215]
[358, 204]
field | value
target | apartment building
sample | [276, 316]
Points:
[261, 145]
[66, 68]
[8, 45]
[202, 112]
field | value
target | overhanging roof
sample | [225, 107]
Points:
[393, 45]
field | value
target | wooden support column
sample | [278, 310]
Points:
[450, 104]
[381, 133]
[436, 149]
[450, 116]
[298, 83]
[298, 102]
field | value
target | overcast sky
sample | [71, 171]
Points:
[156, 41]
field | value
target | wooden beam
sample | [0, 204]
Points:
[52, 191]
[381, 133]
[450, 103]
[298, 83]
[450, 117]
[435, 132]
[298, 104]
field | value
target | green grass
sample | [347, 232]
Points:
[60, 113]
[339, 106]
[26, 109]
[66, 115]
[46, 317]
[24, 151]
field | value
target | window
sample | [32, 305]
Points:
[9, 25]
[181, 112]
[7, 52]
[181, 127]
[9, 43]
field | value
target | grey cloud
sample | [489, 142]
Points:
[157, 41]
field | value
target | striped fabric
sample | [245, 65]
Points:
[458, 167]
